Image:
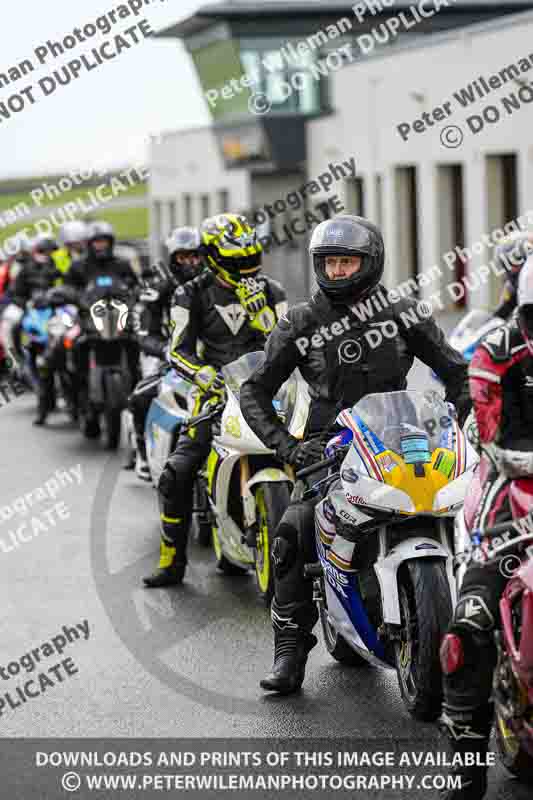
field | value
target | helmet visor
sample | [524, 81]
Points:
[341, 236]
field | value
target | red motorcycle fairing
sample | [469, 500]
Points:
[521, 497]
[520, 652]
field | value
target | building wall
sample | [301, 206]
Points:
[372, 97]
[189, 178]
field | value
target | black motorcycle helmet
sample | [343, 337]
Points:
[42, 248]
[100, 232]
[348, 235]
[185, 241]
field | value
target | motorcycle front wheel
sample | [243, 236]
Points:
[271, 501]
[426, 610]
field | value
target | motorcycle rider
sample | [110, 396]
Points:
[184, 264]
[73, 240]
[232, 308]
[39, 273]
[501, 385]
[330, 339]
[10, 313]
[35, 277]
[100, 259]
[511, 254]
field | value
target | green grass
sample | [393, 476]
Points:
[129, 223]
[10, 200]
[126, 220]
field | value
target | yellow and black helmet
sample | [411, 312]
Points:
[231, 246]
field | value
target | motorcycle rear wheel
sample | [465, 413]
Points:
[514, 758]
[426, 610]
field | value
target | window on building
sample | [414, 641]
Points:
[223, 201]
[502, 200]
[450, 213]
[407, 221]
[187, 209]
[172, 215]
[204, 206]
[379, 200]
[354, 194]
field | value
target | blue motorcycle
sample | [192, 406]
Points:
[168, 413]
[34, 341]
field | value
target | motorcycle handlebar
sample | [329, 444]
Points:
[192, 423]
[496, 530]
[327, 462]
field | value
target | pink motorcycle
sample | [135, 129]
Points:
[513, 676]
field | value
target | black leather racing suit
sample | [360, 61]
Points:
[154, 331]
[343, 357]
[204, 311]
[87, 270]
[34, 278]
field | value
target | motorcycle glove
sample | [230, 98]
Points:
[254, 301]
[304, 454]
[210, 381]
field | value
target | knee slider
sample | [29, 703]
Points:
[469, 633]
[472, 613]
[284, 550]
[167, 483]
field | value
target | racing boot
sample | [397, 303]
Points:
[142, 469]
[292, 645]
[467, 735]
[170, 571]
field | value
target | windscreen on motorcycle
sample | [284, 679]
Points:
[411, 424]
[471, 323]
[236, 373]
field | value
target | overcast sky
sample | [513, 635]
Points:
[105, 117]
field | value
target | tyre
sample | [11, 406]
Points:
[271, 500]
[513, 756]
[89, 425]
[336, 645]
[202, 524]
[113, 422]
[224, 564]
[426, 610]
[203, 533]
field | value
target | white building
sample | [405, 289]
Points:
[431, 186]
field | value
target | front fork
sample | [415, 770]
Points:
[249, 537]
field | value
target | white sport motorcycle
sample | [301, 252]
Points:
[247, 486]
[384, 582]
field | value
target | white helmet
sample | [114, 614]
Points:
[73, 232]
[19, 245]
[525, 303]
[183, 239]
[513, 251]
